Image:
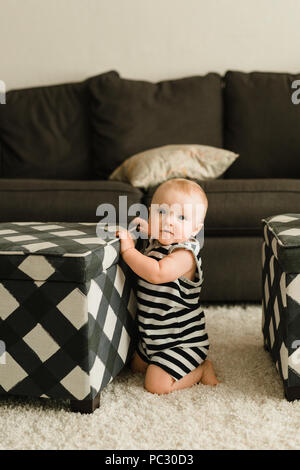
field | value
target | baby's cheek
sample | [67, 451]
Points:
[186, 229]
[153, 225]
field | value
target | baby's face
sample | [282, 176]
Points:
[175, 216]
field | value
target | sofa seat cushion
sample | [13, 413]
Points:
[131, 116]
[236, 206]
[60, 200]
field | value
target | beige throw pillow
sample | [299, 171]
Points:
[152, 167]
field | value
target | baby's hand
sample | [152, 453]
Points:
[126, 240]
[143, 224]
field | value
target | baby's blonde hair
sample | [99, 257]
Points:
[186, 187]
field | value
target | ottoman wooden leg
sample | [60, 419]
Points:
[292, 393]
[85, 406]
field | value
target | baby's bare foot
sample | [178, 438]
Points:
[209, 376]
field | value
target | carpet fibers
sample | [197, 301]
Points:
[246, 411]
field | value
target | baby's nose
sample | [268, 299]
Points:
[169, 218]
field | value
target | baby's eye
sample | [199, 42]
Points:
[181, 217]
[161, 211]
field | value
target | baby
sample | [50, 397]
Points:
[173, 343]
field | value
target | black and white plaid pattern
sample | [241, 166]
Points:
[55, 251]
[68, 326]
[281, 295]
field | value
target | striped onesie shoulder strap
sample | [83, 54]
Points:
[192, 244]
[157, 249]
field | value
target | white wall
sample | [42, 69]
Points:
[56, 41]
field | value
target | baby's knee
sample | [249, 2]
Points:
[158, 381]
[155, 387]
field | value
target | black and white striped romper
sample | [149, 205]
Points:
[170, 319]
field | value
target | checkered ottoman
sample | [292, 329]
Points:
[281, 297]
[67, 310]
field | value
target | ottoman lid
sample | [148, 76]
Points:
[282, 234]
[54, 251]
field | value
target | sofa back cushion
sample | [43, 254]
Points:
[0, 158]
[262, 125]
[45, 133]
[131, 116]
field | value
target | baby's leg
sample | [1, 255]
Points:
[159, 381]
[137, 364]
[208, 375]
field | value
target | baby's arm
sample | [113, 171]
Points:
[168, 269]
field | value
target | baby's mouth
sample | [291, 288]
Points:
[166, 232]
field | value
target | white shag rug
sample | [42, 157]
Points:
[246, 411]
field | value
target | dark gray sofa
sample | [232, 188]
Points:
[58, 145]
